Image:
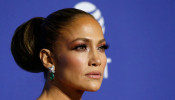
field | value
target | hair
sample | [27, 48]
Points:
[38, 33]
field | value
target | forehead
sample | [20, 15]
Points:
[83, 27]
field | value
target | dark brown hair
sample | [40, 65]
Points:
[38, 33]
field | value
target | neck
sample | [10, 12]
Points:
[59, 91]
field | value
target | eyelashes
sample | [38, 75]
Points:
[103, 47]
[81, 47]
[84, 47]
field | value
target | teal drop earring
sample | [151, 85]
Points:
[52, 71]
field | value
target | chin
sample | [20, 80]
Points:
[93, 89]
[93, 86]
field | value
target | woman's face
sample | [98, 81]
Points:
[79, 56]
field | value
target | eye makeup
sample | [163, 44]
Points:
[103, 47]
[80, 47]
[85, 44]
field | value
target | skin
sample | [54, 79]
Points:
[77, 52]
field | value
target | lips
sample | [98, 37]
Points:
[94, 75]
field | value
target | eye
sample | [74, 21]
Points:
[103, 48]
[81, 47]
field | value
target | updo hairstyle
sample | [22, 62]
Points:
[38, 33]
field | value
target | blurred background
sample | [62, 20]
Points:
[141, 57]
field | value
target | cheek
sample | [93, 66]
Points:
[103, 60]
[70, 69]
[72, 63]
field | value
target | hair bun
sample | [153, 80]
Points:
[25, 46]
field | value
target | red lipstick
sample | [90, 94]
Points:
[94, 75]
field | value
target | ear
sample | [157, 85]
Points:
[46, 58]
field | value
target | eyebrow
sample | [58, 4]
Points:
[103, 40]
[82, 39]
[87, 40]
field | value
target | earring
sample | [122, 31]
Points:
[52, 71]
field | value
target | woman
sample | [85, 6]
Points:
[68, 46]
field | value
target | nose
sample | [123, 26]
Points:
[94, 59]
